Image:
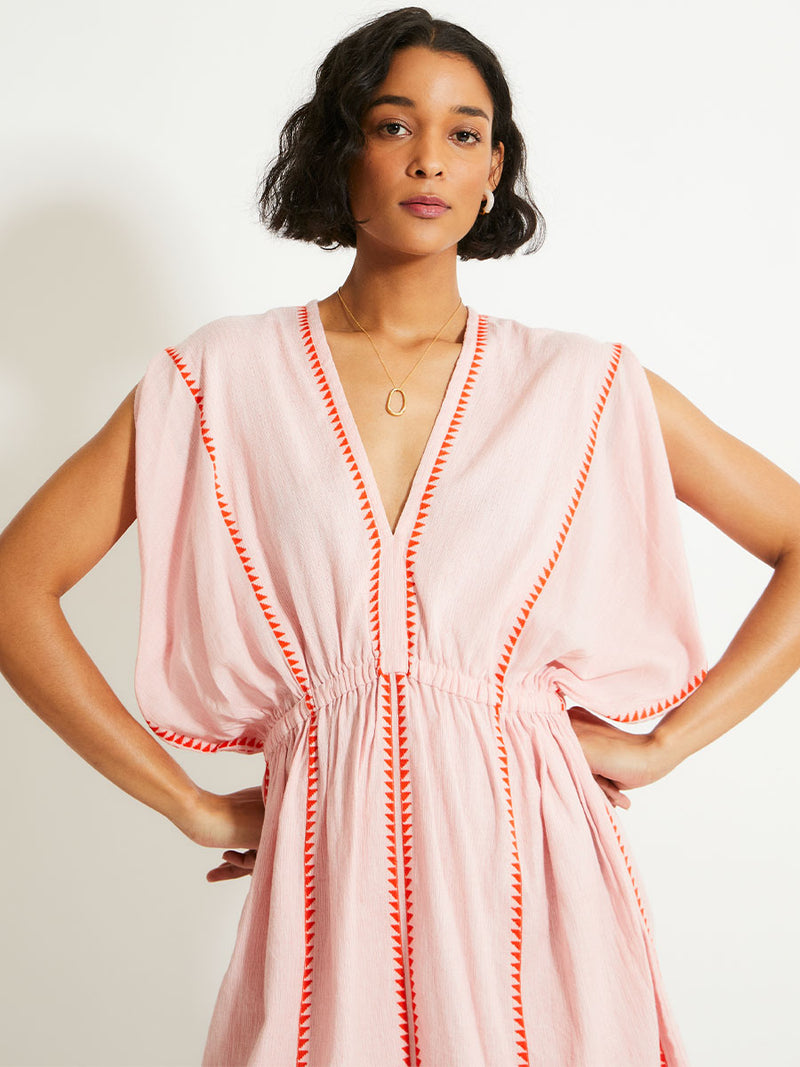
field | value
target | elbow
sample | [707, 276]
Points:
[788, 553]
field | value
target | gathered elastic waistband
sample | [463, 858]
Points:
[516, 699]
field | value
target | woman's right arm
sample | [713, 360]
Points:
[66, 527]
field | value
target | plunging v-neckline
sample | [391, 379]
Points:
[353, 436]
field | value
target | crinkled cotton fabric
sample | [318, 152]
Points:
[440, 881]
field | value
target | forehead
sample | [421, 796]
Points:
[440, 79]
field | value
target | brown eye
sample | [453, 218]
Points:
[385, 125]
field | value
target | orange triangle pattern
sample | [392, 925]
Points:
[521, 1042]
[369, 518]
[225, 510]
[309, 866]
[662, 705]
[641, 713]
[502, 667]
[406, 839]
[566, 523]
[427, 496]
[235, 744]
[292, 659]
[628, 865]
[395, 920]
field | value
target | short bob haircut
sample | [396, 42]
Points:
[304, 196]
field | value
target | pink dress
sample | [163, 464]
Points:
[440, 882]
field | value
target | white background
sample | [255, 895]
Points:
[663, 152]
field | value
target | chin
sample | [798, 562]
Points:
[414, 244]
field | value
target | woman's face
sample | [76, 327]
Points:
[420, 144]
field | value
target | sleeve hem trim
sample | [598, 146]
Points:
[243, 743]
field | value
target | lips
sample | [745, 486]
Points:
[434, 200]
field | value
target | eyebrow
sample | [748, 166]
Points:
[404, 101]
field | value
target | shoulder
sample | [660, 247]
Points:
[578, 356]
[216, 354]
[221, 337]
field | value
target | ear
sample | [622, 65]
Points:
[498, 154]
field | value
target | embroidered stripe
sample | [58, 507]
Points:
[655, 709]
[309, 867]
[372, 528]
[406, 840]
[242, 743]
[502, 667]
[299, 675]
[427, 496]
[617, 833]
[226, 512]
[577, 492]
[516, 902]
[396, 795]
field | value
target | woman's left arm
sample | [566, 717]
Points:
[757, 504]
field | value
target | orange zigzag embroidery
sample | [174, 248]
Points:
[629, 867]
[235, 744]
[663, 705]
[516, 874]
[294, 664]
[427, 496]
[341, 436]
[401, 768]
[577, 493]
[225, 510]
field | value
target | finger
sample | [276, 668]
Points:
[225, 872]
[241, 859]
[614, 794]
[220, 874]
[237, 864]
[619, 797]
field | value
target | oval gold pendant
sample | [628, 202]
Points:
[396, 389]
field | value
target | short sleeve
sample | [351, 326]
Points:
[629, 645]
[201, 680]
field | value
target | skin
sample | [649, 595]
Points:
[402, 287]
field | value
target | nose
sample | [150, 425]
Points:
[426, 157]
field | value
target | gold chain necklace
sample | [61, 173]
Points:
[395, 388]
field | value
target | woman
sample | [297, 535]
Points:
[421, 559]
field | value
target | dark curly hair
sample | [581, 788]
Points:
[303, 195]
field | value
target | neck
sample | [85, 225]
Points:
[403, 301]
